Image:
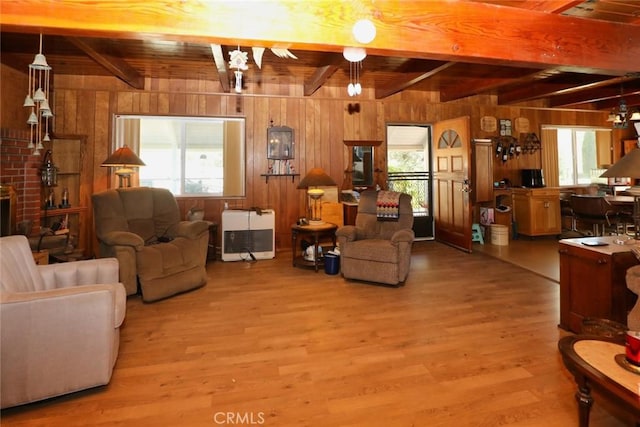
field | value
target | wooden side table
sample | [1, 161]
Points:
[592, 361]
[316, 233]
[213, 240]
[41, 257]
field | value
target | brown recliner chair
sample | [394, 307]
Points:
[141, 227]
[376, 249]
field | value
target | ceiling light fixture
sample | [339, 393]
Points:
[623, 116]
[354, 89]
[364, 31]
[354, 55]
[38, 100]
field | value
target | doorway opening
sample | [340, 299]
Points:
[409, 171]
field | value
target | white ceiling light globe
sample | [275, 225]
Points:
[364, 31]
[354, 54]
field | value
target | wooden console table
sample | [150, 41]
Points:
[592, 281]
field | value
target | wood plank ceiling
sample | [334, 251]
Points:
[557, 53]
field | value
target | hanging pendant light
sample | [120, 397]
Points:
[358, 86]
[354, 55]
[621, 118]
[351, 90]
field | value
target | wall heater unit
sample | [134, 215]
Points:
[246, 232]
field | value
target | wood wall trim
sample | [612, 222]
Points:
[362, 142]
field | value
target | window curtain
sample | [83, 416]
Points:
[605, 148]
[233, 183]
[549, 153]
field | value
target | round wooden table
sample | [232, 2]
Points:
[592, 361]
[316, 234]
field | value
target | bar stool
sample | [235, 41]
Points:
[476, 234]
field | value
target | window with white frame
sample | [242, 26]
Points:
[187, 155]
[577, 155]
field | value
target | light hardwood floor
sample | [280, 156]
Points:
[539, 255]
[469, 340]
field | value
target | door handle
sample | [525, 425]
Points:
[466, 186]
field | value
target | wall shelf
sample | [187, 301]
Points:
[267, 175]
[62, 211]
[68, 154]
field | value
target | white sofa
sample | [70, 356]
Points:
[59, 324]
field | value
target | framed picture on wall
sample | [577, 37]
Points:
[280, 143]
[505, 127]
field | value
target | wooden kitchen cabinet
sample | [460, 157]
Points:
[482, 181]
[628, 145]
[592, 282]
[537, 211]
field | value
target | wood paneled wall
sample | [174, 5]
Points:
[14, 86]
[85, 106]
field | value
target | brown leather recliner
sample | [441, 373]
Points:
[375, 249]
[141, 227]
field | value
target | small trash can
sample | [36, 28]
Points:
[331, 264]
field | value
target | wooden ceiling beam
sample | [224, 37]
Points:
[438, 30]
[116, 66]
[221, 66]
[560, 6]
[322, 74]
[410, 80]
[632, 100]
[549, 6]
[490, 83]
[543, 88]
[598, 95]
[566, 93]
[320, 77]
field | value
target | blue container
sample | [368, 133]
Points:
[331, 264]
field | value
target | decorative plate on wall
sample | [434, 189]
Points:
[489, 124]
[521, 125]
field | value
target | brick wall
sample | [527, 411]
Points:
[21, 169]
